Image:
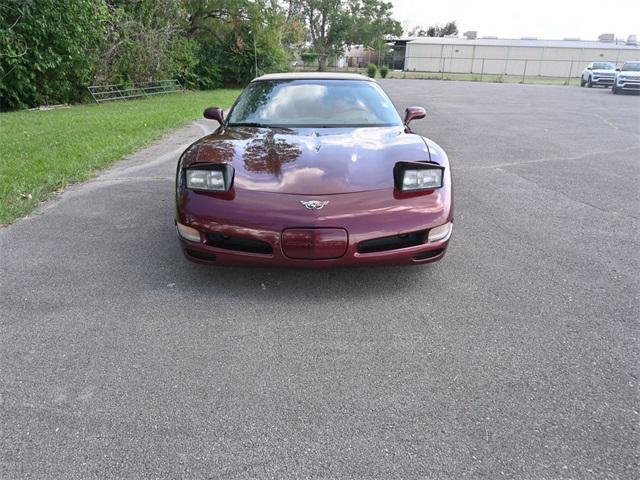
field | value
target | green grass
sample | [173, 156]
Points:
[41, 152]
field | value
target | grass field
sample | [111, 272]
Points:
[43, 151]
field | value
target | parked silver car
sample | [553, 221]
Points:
[627, 77]
[598, 73]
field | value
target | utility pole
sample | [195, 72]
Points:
[255, 53]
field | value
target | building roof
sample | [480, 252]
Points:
[313, 76]
[508, 42]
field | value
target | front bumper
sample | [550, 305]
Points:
[256, 221]
[607, 81]
[629, 84]
[205, 254]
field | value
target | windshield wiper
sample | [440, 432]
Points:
[247, 124]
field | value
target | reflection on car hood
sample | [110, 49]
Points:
[604, 72]
[310, 161]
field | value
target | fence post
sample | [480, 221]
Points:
[93, 96]
[482, 70]
[524, 72]
[570, 70]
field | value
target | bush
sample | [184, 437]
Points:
[384, 71]
[309, 58]
[371, 70]
[48, 50]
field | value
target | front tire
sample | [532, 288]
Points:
[589, 83]
[582, 82]
[614, 90]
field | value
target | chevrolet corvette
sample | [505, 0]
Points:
[313, 170]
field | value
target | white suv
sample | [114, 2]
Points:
[627, 77]
[598, 73]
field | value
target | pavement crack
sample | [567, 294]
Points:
[575, 200]
[155, 178]
[542, 160]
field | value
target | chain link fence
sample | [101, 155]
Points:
[487, 69]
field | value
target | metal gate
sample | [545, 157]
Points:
[107, 93]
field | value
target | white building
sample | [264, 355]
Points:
[527, 56]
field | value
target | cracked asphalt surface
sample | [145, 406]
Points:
[515, 357]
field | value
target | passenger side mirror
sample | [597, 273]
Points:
[588, 68]
[214, 113]
[617, 69]
[414, 113]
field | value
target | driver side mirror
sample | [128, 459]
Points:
[414, 113]
[588, 68]
[214, 113]
[617, 69]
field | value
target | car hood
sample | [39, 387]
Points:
[630, 73]
[604, 72]
[309, 161]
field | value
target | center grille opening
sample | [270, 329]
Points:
[393, 242]
[239, 244]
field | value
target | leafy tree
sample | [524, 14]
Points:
[48, 49]
[146, 41]
[239, 39]
[333, 24]
[449, 28]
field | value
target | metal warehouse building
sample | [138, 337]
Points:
[527, 56]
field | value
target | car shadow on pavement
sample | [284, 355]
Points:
[359, 282]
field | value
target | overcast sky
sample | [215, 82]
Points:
[549, 19]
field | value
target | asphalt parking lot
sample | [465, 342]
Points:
[515, 357]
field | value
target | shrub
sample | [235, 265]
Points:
[309, 58]
[48, 50]
[371, 70]
[384, 71]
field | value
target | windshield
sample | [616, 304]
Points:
[314, 103]
[631, 67]
[603, 66]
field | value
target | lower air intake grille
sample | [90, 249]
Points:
[209, 257]
[392, 243]
[239, 244]
[429, 254]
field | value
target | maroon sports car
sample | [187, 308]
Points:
[314, 170]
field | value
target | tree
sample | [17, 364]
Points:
[146, 41]
[333, 24]
[48, 49]
[373, 24]
[449, 28]
[239, 39]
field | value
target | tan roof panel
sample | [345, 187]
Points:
[313, 76]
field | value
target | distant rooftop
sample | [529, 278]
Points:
[524, 42]
[313, 76]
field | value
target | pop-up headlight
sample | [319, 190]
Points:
[213, 178]
[417, 176]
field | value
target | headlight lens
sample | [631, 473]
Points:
[417, 176]
[188, 233]
[422, 179]
[206, 180]
[441, 232]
